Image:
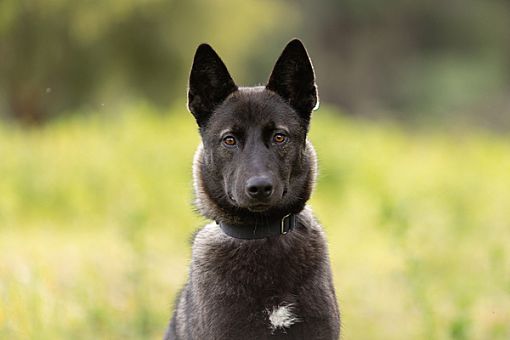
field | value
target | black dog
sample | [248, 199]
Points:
[261, 271]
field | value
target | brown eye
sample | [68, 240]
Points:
[279, 138]
[230, 141]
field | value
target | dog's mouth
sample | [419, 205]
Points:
[253, 207]
[258, 207]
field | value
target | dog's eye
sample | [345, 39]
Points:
[279, 138]
[229, 140]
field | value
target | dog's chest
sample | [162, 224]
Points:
[260, 289]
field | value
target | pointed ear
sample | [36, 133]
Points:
[209, 83]
[294, 80]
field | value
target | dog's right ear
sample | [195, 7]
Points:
[209, 83]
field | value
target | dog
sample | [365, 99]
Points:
[261, 269]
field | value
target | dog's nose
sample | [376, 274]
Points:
[259, 187]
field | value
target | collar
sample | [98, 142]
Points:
[258, 231]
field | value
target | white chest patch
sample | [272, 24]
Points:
[281, 317]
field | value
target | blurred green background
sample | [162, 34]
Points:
[96, 148]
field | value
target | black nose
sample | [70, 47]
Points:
[259, 187]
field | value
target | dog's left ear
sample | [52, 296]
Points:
[294, 80]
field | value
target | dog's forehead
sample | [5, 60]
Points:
[255, 107]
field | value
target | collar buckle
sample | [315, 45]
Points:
[291, 219]
[282, 225]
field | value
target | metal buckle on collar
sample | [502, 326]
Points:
[282, 229]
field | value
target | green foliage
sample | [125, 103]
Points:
[422, 61]
[416, 60]
[95, 217]
[62, 55]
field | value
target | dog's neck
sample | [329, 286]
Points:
[259, 229]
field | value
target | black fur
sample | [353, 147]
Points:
[235, 284]
[210, 83]
[293, 79]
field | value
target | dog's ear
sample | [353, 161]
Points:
[209, 83]
[294, 80]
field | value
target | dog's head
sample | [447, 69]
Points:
[255, 160]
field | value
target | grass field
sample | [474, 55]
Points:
[95, 217]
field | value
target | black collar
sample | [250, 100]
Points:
[258, 231]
